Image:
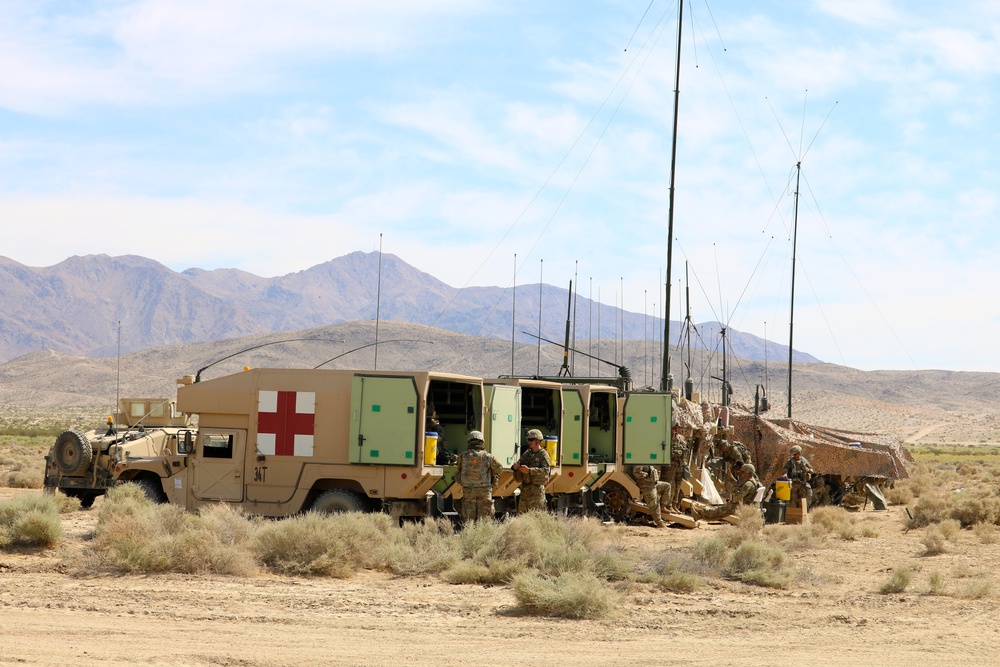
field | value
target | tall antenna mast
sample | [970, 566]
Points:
[576, 295]
[538, 362]
[665, 378]
[564, 371]
[513, 315]
[791, 315]
[378, 298]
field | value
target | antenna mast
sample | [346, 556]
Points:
[791, 316]
[378, 298]
[665, 378]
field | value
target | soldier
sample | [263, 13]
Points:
[654, 492]
[744, 495]
[798, 470]
[679, 470]
[532, 470]
[478, 472]
[820, 490]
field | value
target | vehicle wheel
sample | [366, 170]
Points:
[87, 500]
[73, 452]
[617, 502]
[336, 501]
[151, 488]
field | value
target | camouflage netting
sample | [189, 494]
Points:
[830, 451]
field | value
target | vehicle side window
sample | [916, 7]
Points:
[217, 446]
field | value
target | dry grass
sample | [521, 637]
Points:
[30, 521]
[897, 582]
[566, 595]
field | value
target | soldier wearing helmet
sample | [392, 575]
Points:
[745, 494]
[478, 472]
[798, 470]
[532, 470]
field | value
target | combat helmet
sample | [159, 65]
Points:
[795, 449]
[748, 469]
[476, 439]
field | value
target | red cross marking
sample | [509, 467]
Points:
[285, 424]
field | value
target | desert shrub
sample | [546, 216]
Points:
[566, 595]
[950, 528]
[20, 479]
[975, 589]
[136, 535]
[935, 583]
[30, 520]
[897, 582]
[759, 564]
[336, 545]
[835, 520]
[971, 508]
[428, 547]
[934, 541]
[790, 537]
[680, 582]
[676, 574]
[712, 552]
[986, 532]
[899, 495]
[492, 571]
[931, 508]
[544, 542]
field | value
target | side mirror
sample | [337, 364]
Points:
[188, 444]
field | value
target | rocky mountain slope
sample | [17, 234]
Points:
[80, 306]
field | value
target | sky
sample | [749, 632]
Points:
[459, 135]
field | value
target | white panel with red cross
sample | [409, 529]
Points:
[286, 422]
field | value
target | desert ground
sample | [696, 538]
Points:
[54, 613]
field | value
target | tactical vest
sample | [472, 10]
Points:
[475, 469]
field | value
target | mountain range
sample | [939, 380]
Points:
[100, 306]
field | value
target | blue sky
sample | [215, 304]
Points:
[272, 137]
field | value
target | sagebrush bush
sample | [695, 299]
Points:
[759, 564]
[30, 520]
[566, 595]
[135, 535]
[897, 582]
[935, 583]
[934, 541]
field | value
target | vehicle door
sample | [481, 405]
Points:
[217, 470]
[646, 429]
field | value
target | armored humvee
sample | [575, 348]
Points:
[83, 465]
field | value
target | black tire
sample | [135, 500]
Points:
[87, 500]
[336, 501]
[617, 502]
[152, 488]
[73, 452]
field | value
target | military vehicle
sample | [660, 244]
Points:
[84, 465]
[281, 441]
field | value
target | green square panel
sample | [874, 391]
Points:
[409, 409]
[652, 455]
[376, 408]
[409, 455]
[628, 418]
[373, 453]
[576, 456]
[628, 455]
[653, 419]
[576, 418]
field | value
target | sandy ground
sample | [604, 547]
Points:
[832, 615]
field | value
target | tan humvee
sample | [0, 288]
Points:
[281, 441]
[82, 465]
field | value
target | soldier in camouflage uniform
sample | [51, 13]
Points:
[679, 470]
[744, 495]
[654, 492]
[478, 472]
[532, 470]
[798, 470]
